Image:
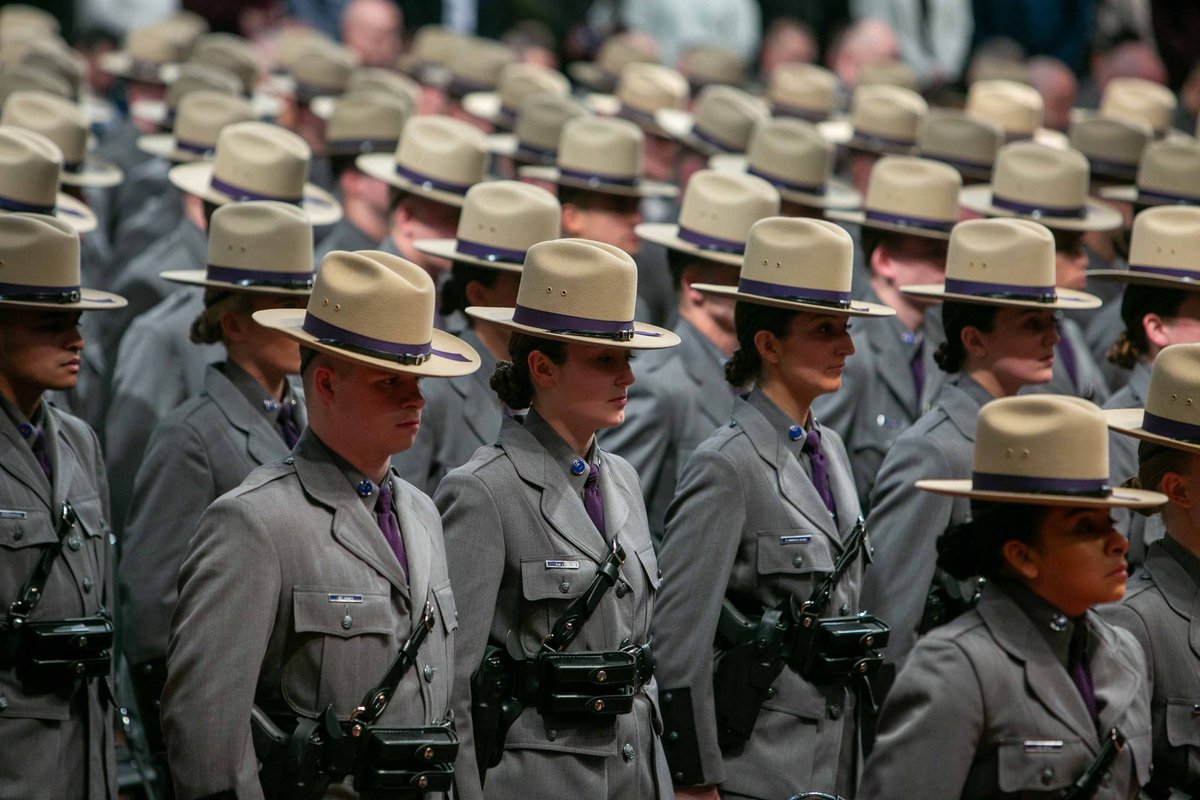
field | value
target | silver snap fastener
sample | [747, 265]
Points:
[429, 670]
[347, 621]
[797, 561]
[565, 586]
[627, 752]
[88, 583]
[1048, 776]
[73, 543]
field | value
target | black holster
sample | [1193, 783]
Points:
[833, 649]
[51, 655]
[947, 600]
[742, 678]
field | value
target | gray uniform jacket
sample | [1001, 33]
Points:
[748, 525]
[878, 400]
[1088, 381]
[985, 709]
[200, 451]
[906, 522]
[521, 547]
[344, 235]
[1123, 465]
[56, 744]
[291, 599]
[1160, 609]
[460, 416]
[679, 398]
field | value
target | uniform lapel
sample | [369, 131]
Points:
[417, 546]
[64, 461]
[1113, 675]
[616, 505]
[893, 361]
[1178, 589]
[841, 483]
[960, 407]
[260, 436]
[712, 392]
[479, 411]
[16, 458]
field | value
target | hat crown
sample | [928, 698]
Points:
[292, 42]
[157, 44]
[374, 294]
[1139, 100]
[509, 215]
[384, 81]
[478, 63]
[1015, 107]
[959, 138]
[229, 52]
[1042, 436]
[58, 60]
[717, 65]
[444, 149]
[649, 87]
[914, 187]
[324, 66]
[262, 159]
[1171, 167]
[1174, 392]
[803, 87]
[25, 78]
[579, 278]
[1041, 176]
[434, 44]
[30, 166]
[1108, 140]
[888, 112]
[262, 236]
[368, 116]
[805, 254]
[607, 147]
[541, 117]
[38, 250]
[619, 51]
[724, 205]
[728, 115]
[56, 118]
[891, 73]
[792, 150]
[202, 78]
[518, 79]
[1007, 252]
[203, 115]
[1167, 237]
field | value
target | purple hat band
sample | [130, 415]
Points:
[361, 145]
[1032, 210]
[577, 326]
[489, 252]
[959, 163]
[1036, 294]
[1153, 194]
[193, 147]
[546, 153]
[8, 204]
[775, 180]
[636, 115]
[708, 138]
[251, 277]
[241, 193]
[1171, 428]
[428, 182]
[862, 138]
[41, 294]
[706, 242]
[807, 114]
[1108, 166]
[799, 294]
[908, 221]
[1024, 484]
[1185, 274]
[596, 179]
[407, 354]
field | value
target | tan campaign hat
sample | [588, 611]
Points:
[30, 172]
[909, 195]
[289, 45]
[1041, 183]
[517, 80]
[886, 119]
[366, 122]
[56, 58]
[22, 15]
[258, 161]
[1046, 450]
[715, 217]
[1172, 414]
[1164, 250]
[39, 267]
[601, 154]
[1169, 173]
[228, 52]
[577, 290]
[198, 123]
[148, 49]
[438, 157]
[705, 66]
[187, 79]
[890, 73]
[24, 78]
[796, 159]
[373, 79]
[63, 123]
[500, 221]
[375, 309]
[433, 45]
[801, 265]
[642, 90]
[260, 247]
[1016, 107]
[477, 65]
[615, 54]
[1140, 100]
[803, 90]
[540, 120]
[1003, 262]
[322, 68]
[967, 143]
[1113, 147]
[721, 120]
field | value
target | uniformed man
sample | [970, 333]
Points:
[300, 585]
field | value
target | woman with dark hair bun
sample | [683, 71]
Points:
[762, 511]
[1000, 307]
[1018, 696]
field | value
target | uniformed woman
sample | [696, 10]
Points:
[1000, 306]
[532, 524]
[56, 729]
[500, 221]
[1160, 606]
[1022, 695]
[763, 509]
[259, 256]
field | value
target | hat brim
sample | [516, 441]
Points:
[94, 174]
[589, 74]
[486, 106]
[199, 277]
[836, 130]
[290, 323]
[646, 337]
[163, 145]
[868, 144]
[857, 308]
[1131, 194]
[609, 105]
[643, 188]
[1147, 279]
[195, 178]
[1097, 217]
[1128, 421]
[448, 249]
[1068, 299]
[89, 300]
[1119, 498]
[120, 64]
[667, 235]
[382, 166]
[839, 194]
[677, 124]
[859, 217]
[73, 212]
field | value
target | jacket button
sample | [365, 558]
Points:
[552, 734]
[835, 712]
[565, 586]
[678, 776]
[1106, 779]
[289, 460]
[1048, 776]
[347, 621]
[627, 752]
[622, 589]
[673, 736]
[797, 561]
[73, 543]
[845, 609]
[770, 691]
[88, 584]
[666, 698]
[429, 670]
[3, 703]
[18, 535]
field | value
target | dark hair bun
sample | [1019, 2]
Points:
[514, 390]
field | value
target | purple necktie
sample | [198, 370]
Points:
[37, 443]
[287, 424]
[386, 518]
[1067, 352]
[820, 477]
[592, 501]
[918, 372]
[1077, 668]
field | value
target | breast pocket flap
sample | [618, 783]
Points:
[25, 527]
[446, 608]
[561, 577]
[1040, 764]
[334, 611]
[1183, 722]
[793, 552]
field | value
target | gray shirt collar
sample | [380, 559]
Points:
[1055, 628]
[1184, 557]
[257, 396]
[560, 452]
[788, 432]
[972, 387]
[362, 487]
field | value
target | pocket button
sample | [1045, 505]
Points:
[1048, 776]
[347, 621]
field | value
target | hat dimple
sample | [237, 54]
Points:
[263, 236]
[509, 214]
[581, 278]
[378, 294]
[1047, 436]
[912, 186]
[802, 253]
[1020, 252]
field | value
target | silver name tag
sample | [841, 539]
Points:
[345, 598]
[6, 514]
[801, 539]
[552, 563]
[1043, 745]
